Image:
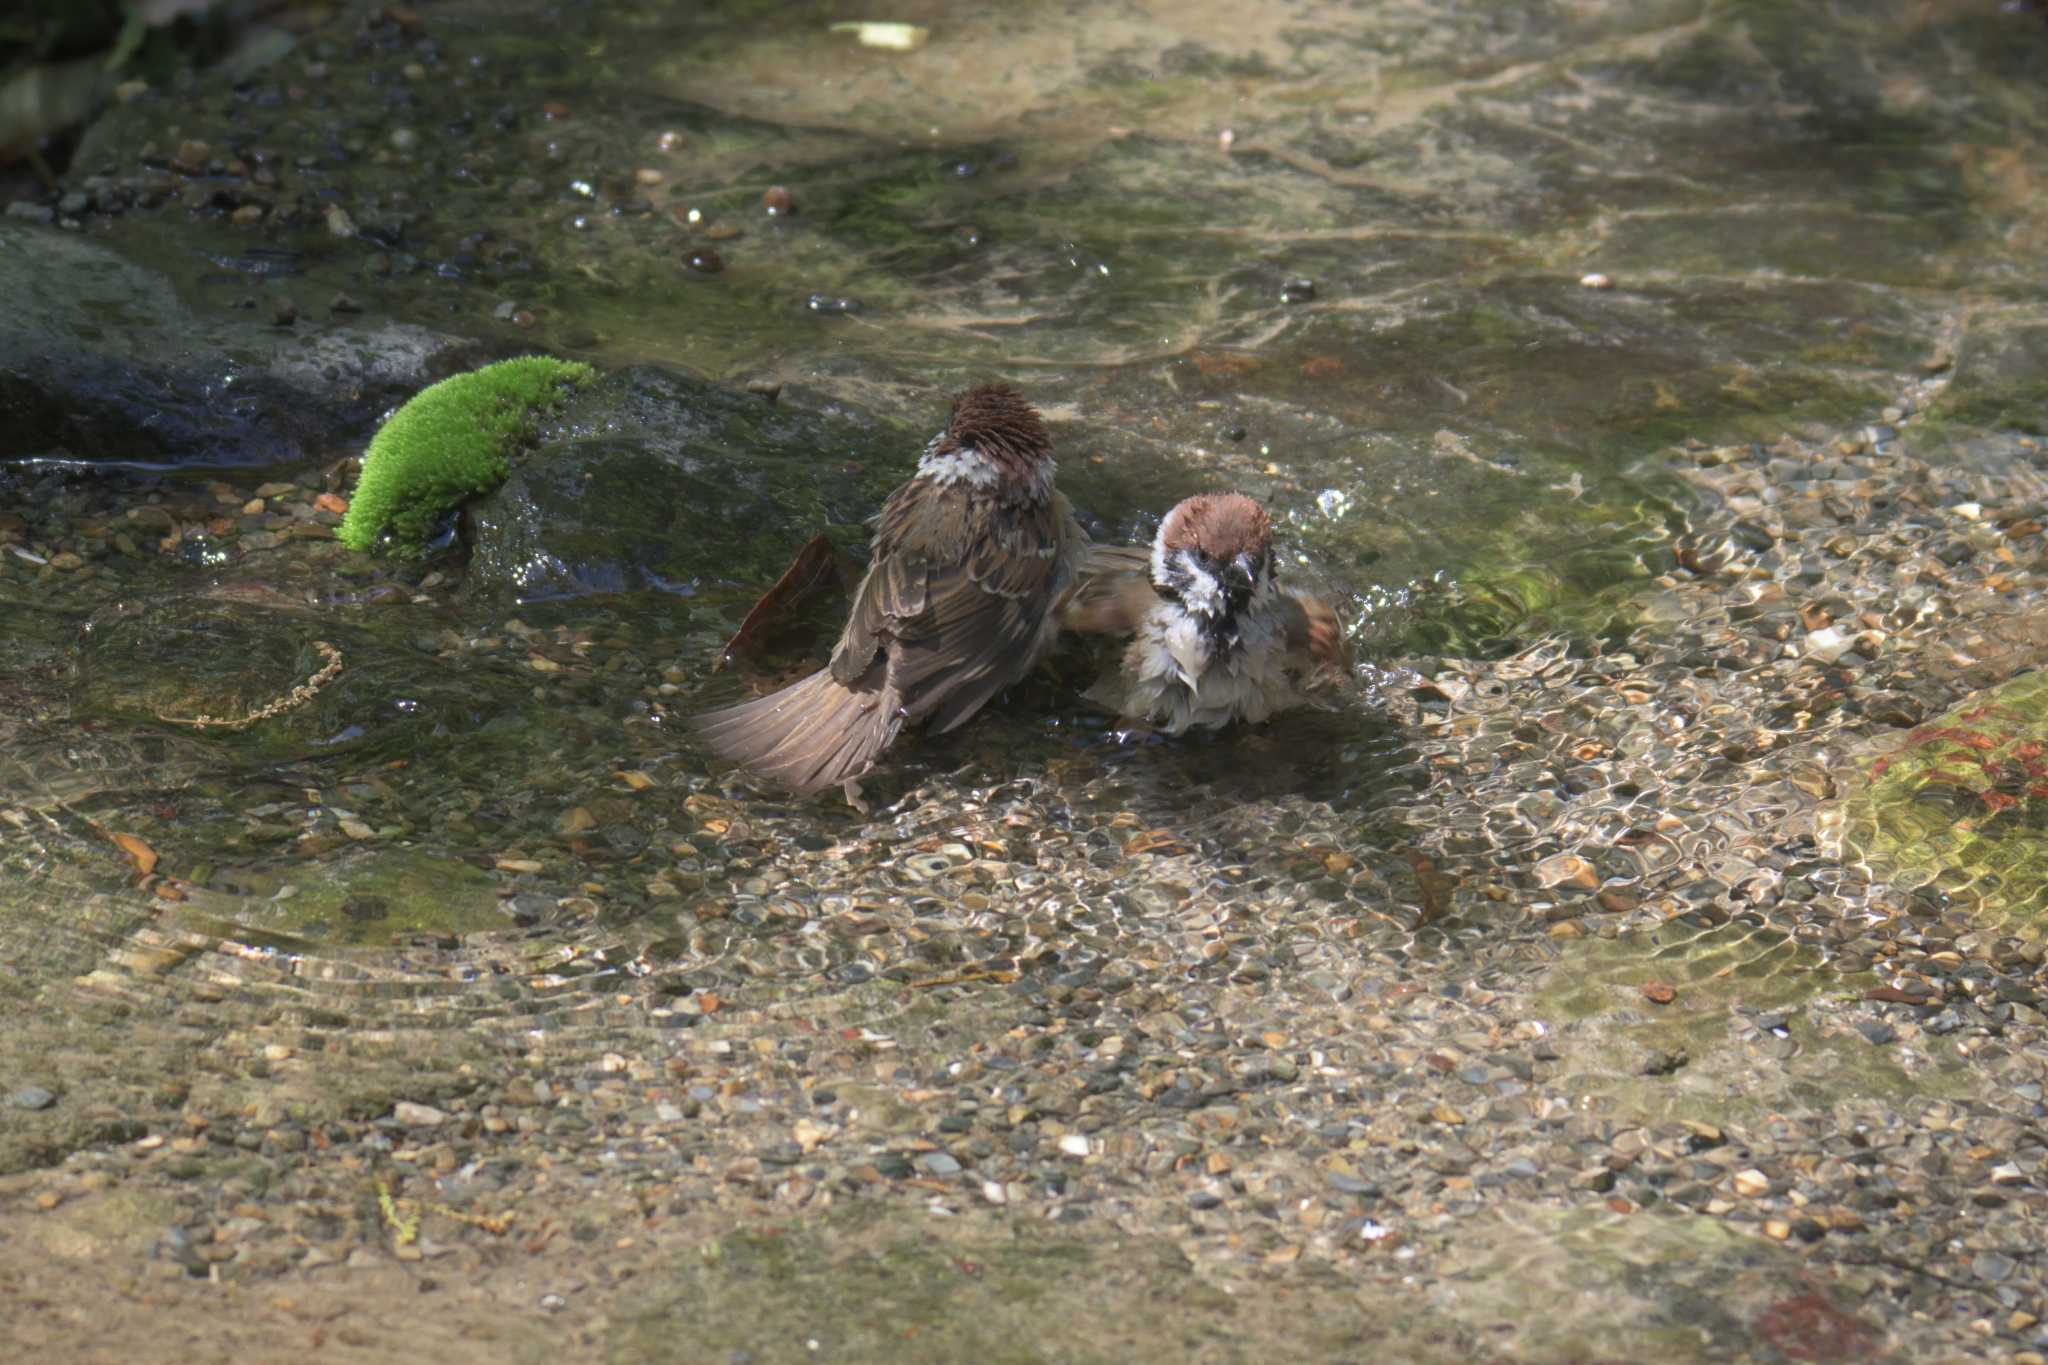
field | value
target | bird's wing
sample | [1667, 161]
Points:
[1112, 592]
[987, 614]
[924, 526]
[1314, 636]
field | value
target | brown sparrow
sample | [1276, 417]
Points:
[1214, 637]
[969, 558]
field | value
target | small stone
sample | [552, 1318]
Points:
[1659, 992]
[1777, 1229]
[1074, 1144]
[778, 201]
[34, 1097]
[1595, 280]
[1567, 869]
[704, 261]
[1994, 1266]
[341, 225]
[284, 313]
[414, 1115]
[1876, 1030]
[1752, 1183]
[1298, 290]
[939, 1163]
[343, 303]
[1828, 645]
[28, 211]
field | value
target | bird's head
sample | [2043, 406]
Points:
[994, 440]
[1214, 555]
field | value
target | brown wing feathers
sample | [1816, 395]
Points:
[956, 605]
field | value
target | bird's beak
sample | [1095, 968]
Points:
[1238, 577]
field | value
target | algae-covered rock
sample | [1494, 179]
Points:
[447, 444]
[1958, 804]
[2001, 376]
[652, 479]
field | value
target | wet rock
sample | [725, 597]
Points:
[155, 387]
[31, 1097]
[651, 479]
[1999, 377]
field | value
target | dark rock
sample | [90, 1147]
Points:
[653, 480]
[101, 359]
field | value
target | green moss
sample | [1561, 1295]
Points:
[448, 443]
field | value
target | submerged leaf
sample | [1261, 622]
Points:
[818, 564]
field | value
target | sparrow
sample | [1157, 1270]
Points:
[969, 561]
[1215, 638]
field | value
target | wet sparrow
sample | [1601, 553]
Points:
[969, 559]
[1214, 637]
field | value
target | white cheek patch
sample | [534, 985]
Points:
[1200, 593]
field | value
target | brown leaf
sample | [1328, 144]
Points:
[1435, 888]
[1155, 841]
[818, 564]
[139, 853]
[1224, 364]
[1892, 995]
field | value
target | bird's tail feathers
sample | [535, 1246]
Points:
[813, 734]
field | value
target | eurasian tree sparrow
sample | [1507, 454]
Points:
[1215, 638]
[969, 559]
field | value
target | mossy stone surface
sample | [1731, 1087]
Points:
[449, 443]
